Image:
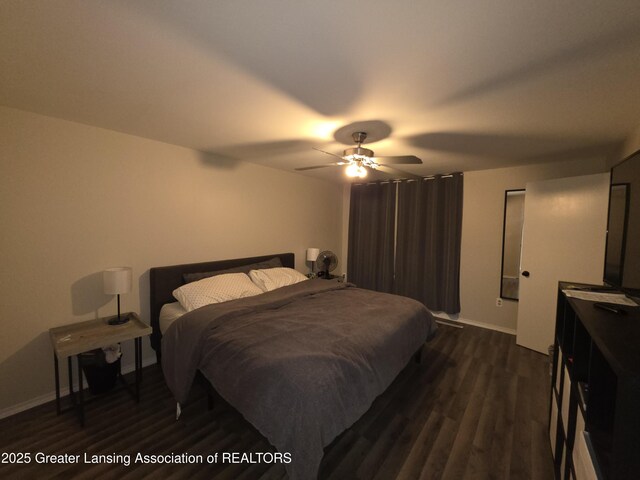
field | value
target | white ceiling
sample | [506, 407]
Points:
[464, 85]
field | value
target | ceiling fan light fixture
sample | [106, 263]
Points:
[358, 159]
[352, 170]
[362, 160]
[356, 170]
[358, 152]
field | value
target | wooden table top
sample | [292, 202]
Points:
[80, 337]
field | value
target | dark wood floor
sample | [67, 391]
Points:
[476, 408]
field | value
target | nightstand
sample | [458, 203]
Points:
[72, 340]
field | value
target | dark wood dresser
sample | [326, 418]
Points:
[594, 421]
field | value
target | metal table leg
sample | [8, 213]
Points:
[138, 366]
[57, 374]
[80, 393]
[139, 340]
[70, 377]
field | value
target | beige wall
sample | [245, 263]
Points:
[483, 210]
[346, 203]
[76, 199]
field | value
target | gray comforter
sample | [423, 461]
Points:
[301, 363]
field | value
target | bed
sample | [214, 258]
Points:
[301, 363]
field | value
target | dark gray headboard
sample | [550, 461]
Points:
[164, 280]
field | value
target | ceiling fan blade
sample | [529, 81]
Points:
[399, 160]
[319, 166]
[397, 173]
[329, 153]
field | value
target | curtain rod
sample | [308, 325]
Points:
[428, 177]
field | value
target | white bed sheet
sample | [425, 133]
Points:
[169, 313]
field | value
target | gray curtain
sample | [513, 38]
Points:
[371, 236]
[429, 231]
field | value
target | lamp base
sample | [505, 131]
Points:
[118, 320]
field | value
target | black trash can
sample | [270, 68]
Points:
[101, 376]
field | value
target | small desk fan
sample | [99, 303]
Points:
[327, 262]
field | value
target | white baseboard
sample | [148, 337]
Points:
[47, 397]
[457, 319]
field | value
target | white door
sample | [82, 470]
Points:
[565, 222]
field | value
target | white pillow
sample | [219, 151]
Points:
[217, 289]
[272, 278]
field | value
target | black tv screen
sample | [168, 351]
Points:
[622, 258]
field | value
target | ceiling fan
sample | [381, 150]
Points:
[358, 159]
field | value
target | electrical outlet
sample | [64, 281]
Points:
[498, 302]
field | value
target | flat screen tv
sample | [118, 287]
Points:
[622, 257]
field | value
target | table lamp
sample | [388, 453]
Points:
[312, 256]
[117, 280]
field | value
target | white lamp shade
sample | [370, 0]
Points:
[117, 280]
[312, 254]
